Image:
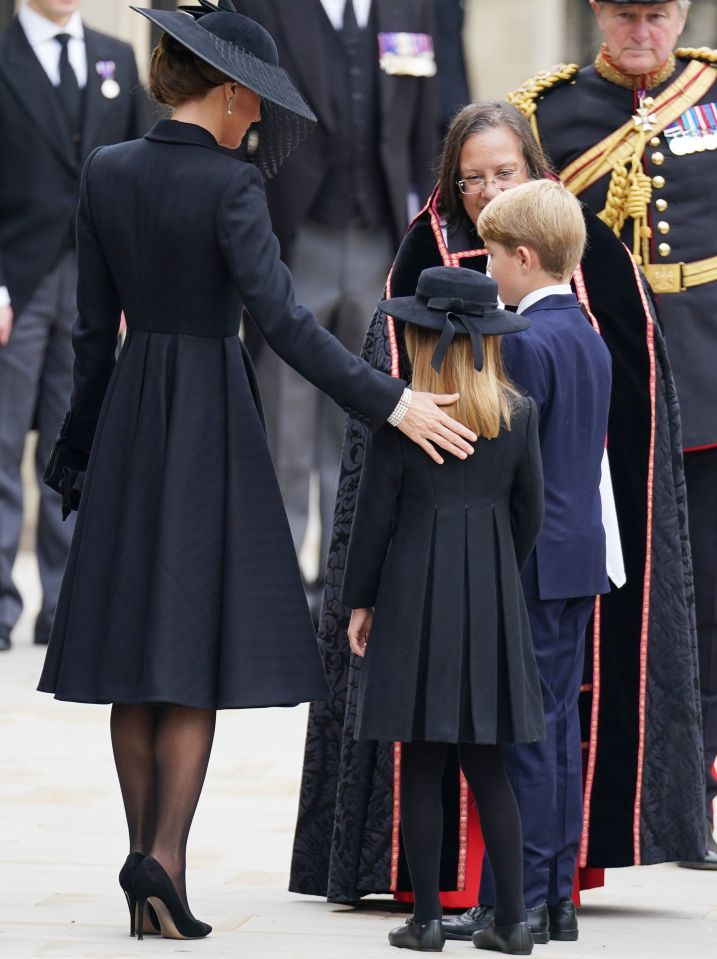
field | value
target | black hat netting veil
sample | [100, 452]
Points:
[286, 118]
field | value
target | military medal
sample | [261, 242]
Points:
[695, 131]
[644, 118]
[407, 54]
[109, 89]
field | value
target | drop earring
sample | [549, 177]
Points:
[229, 106]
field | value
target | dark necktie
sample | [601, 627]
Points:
[350, 29]
[69, 89]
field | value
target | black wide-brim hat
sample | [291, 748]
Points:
[455, 301]
[244, 51]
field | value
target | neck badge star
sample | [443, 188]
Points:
[644, 119]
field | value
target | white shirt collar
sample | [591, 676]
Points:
[530, 299]
[39, 29]
[335, 11]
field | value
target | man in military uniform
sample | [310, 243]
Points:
[634, 135]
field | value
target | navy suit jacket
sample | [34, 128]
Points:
[562, 362]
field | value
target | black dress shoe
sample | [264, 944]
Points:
[709, 860]
[563, 921]
[480, 917]
[420, 936]
[515, 939]
[4, 641]
[473, 920]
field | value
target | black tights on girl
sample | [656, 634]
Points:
[422, 767]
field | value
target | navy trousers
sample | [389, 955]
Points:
[547, 776]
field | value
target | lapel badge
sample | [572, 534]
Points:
[406, 54]
[110, 89]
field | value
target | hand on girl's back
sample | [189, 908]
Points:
[427, 424]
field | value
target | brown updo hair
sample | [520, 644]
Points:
[177, 75]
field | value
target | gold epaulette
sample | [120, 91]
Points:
[524, 98]
[706, 54]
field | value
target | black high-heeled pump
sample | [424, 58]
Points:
[151, 923]
[153, 887]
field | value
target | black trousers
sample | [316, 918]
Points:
[701, 474]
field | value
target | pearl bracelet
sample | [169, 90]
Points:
[401, 408]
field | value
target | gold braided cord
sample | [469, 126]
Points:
[629, 195]
[705, 54]
[527, 93]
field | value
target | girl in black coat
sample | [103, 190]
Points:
[433, 578]
[182, 594]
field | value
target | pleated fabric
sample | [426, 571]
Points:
[450, 656]
[182, 584]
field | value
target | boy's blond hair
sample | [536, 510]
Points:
[542, 215]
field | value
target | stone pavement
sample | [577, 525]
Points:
[62, 841]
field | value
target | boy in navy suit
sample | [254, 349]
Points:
[535, 235]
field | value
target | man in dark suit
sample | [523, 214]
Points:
[64, 90]
[340, 203]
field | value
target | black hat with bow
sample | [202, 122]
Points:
[243, 51]
[455, 301]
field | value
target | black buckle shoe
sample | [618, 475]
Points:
[420, 936]
[563, 921]
[515, 939]
[473, 920]
[539, 924]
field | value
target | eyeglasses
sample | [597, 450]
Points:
[476, 184]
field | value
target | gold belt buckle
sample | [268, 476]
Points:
[665, 277]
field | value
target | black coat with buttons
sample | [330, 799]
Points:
[437, 551]
[182, 584]
[572, 118]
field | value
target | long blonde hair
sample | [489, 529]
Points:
[487, 398]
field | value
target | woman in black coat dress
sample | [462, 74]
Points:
[433, 579]
[182, 593]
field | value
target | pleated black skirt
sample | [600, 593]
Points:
[182, 584]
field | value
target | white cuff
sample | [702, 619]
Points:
[4, 297]
[401, 408]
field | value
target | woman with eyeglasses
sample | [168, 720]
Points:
[351, 790]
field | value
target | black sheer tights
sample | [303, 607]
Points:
[161, 754]
[422, 768]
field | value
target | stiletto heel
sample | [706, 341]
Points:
[150, 924]
[141, 907]
[125, 881]
[153, 886]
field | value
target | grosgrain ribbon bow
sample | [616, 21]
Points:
[452, 307]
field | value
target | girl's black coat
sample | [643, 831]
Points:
[437, 550]
[182, 584]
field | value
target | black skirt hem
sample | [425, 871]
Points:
[177, 701]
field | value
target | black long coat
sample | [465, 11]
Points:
[182, 583]
[40, 166]
[437, 550]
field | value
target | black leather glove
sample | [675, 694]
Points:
[65, 470]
